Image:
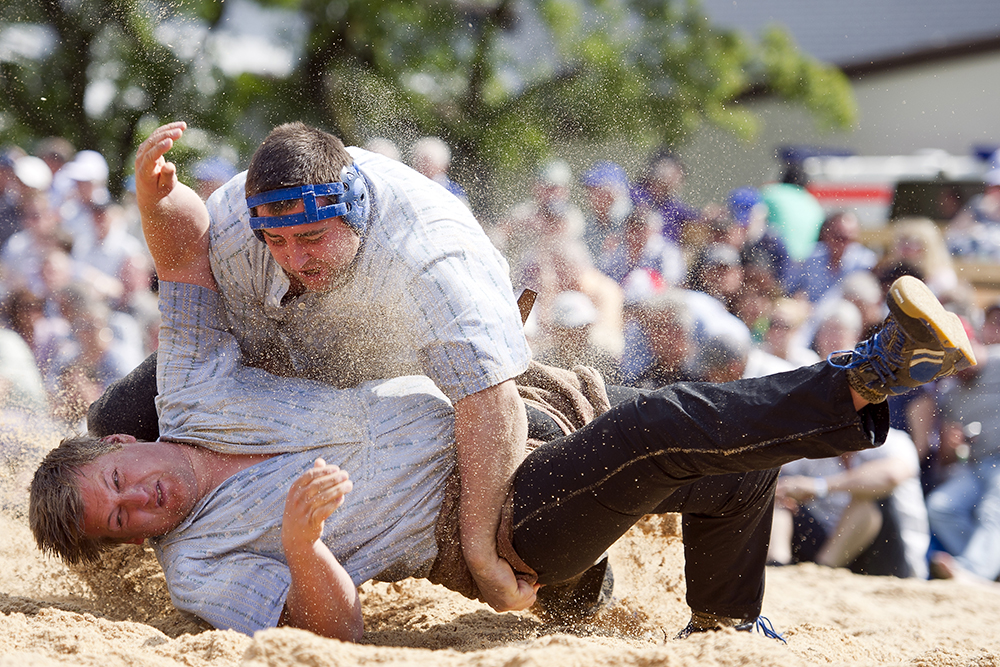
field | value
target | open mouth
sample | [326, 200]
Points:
[159, 495]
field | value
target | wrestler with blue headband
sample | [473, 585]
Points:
[348, 200]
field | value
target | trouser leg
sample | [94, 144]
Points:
[726, 522]
[575, 496]
[128, 405]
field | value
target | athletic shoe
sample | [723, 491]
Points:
[919, 341]
[702, 622]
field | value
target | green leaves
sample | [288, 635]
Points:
[500, 80]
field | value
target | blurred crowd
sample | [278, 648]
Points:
[630, 279]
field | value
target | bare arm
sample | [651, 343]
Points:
[490, 433]
[174, 218]
[322, 597]
[866, 481]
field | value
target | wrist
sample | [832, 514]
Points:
[820, 487]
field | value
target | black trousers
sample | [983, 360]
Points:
[708, 451]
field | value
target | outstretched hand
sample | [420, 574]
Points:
[155, 177]
[175, 220]
[311, 500]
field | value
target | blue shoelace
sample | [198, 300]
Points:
[881, 357]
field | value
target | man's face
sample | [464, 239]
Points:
[317, 254]
[144, 489]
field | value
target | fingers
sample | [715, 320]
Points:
[321, 489]
[149, 160]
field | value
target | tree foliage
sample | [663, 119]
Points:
[499, 80]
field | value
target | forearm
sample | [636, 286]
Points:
[490, 434]
[322, 597]
[175, 221]
[871, 480]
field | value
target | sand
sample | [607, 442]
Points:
[119, 614]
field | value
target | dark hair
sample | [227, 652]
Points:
[55, 506]
[295, 154]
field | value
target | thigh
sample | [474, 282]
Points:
[958, 494]
[128, 405]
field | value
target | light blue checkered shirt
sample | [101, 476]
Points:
[430, 294]
[225, 562]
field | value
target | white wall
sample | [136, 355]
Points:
[950, 106]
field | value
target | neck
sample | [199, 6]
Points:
[213, 468]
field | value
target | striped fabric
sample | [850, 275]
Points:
[429, 294]
[224, 562]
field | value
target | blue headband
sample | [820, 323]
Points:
[350, 203]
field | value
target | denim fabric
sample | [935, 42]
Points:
[964, 513]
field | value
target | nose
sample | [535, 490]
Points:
[137, 496]
[297, 255]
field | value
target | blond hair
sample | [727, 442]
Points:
[55, 506]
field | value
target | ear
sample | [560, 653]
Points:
[121, 438]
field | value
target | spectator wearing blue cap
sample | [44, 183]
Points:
[606, 185]
[760, 246]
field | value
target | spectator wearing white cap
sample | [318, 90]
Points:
[548, 217]
[431, 156]
[89, 173]
[570, 342]
[109, 245]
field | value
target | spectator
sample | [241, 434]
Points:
[24, 252]
[108, 344]
[990, 331]
[47, 337]
[547, 218]
[975, 232]
[659, 190]
[667, 330]
[89, 173]
[431, 156]
[837, 255]
[918, 242]
[643, 247]
[838, 328]
[570, 337]
[558, 266]
[964, 508]
[57, 152]
[10, 197]
[760, 247]
[718, 272]
[781, 338]
[607, 188]
[210, 174]
[110, 244]
[863, 510]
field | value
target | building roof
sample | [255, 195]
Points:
[866, 35]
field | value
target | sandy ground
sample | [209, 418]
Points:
[120, 615]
